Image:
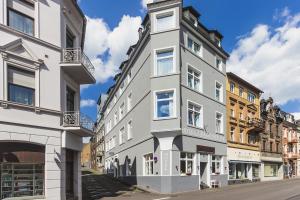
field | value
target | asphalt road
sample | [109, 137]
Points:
[275, 190]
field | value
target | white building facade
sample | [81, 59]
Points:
[41, 69]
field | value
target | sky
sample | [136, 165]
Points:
[262, 38]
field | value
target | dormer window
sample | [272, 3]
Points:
[20, 22]
[218, 42]
[164, 21]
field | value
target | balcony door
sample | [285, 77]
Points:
[70, 99]
[70, 39]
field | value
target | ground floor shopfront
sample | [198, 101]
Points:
[271, 166]
[188, 165]
[243, 165]
[39, 163]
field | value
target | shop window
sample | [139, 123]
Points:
[270, 170]
[186, 163]
[216, 164]
[255, 171]
[148, 163]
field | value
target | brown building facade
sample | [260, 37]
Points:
[271, 141]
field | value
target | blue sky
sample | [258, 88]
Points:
[238, 20]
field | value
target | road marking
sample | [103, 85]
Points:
[164, 198]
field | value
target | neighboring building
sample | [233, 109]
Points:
[165, 115]
[97, 141]
[298, 147]
[290, 145]
[42, 67]
[271, 141]
[243, 128]
[86, 156]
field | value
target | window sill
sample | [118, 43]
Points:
[164, 118]
[164, 75]
[164, 31]
[196, 127]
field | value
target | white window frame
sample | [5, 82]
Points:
[221, 92]
[222, 122]
[121, 135]
[241, 136]
[217, 161]
[164, 12]
[146, 161]
[120, 111]
[232, 83]
[189, 66]
[116, 117]
[200, 54]
[129, 76]
[220, 68]
[201, 114]
[122, 87]
[174, 104]
[250, 99]
[129, 101]
[129, 130]
[186, 159]
[232, 133]
[156, 51]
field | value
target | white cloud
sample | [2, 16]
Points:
[145, 2]
[87, 103]
[269, 58]
[101, 40]
[297, 115]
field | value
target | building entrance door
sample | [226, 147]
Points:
[69, 174]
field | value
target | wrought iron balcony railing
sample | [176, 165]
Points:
[256, 123]
[77, 119]
[76, 56]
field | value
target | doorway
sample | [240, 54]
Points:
[69, 174]
[203, 175]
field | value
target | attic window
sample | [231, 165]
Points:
[194, 21]
[218, 41]
[164, 21]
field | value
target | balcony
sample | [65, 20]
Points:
[78, 123]
[256, 124]
[78, 66]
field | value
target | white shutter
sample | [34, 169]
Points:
[21, 77]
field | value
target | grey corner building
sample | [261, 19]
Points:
[165, 115]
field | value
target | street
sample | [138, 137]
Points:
[110, 190]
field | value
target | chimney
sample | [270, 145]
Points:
[140, 32]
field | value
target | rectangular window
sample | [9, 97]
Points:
[216, 164]
[186, 163]
[148, 164]
[165, 106]
[129, 102]
[264, 145]
[219, 123]
[219, 64]
[232, 87]
[129, 130]
[232, 113]
[21, 86]
[70, 99]
[255, 171]
[241, 136]
[251, 97]
[219, 92]
[121, 90]
[241, 91]
[165, 21]
[271, 146]
[121, 111]
[20, 22]
[195, 47]
[270, 170]
[232, 171]
[122, 136]
[194, 115]
[164, 62]
[114, 141]
[232, 130]
[194, 79]
[129, 76]
[116, 117]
